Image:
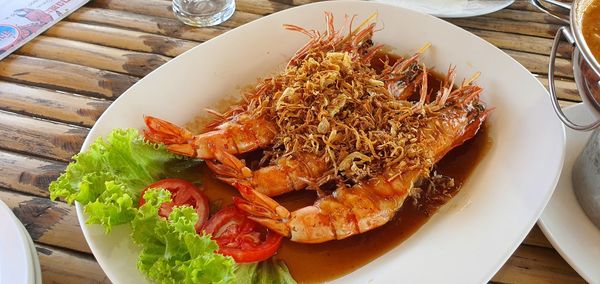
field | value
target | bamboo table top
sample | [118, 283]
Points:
[54, 88]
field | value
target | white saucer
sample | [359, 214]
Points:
[35, 261]
[452, 8]
[563, 221]
[16, 262]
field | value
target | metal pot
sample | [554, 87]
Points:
[586, 68]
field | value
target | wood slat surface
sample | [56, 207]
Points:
[43, 138]
[64, 76]
[50, 223]
[120, 38]
[53, 89]
[144, 23]
[524, 43]
[531, 264]
[60, 266]
[509, 26]
[525, 16]
[51, 104]
[107, 58]
[161, 8]
[27, 174]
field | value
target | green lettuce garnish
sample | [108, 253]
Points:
[108, 177]
[270, 271]
[172, 251]
[107, 180]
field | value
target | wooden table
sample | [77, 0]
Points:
[53, 89]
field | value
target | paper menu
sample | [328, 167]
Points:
[20, 20]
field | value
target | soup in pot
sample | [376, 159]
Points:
[591, 28]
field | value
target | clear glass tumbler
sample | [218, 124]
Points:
[203, 13]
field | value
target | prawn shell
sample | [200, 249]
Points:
[342, 218]
[363, 204]
[319, 221]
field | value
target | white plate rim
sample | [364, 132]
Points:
[35, 264]
[17, 239]
[459, 13]
[551, 227]
[507, 254]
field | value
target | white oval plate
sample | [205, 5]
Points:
[563, 221]
[472, 236]
[16, 263]
[452, 8]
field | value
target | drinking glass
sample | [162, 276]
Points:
[203, 13]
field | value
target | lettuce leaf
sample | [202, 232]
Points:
[107, 180]
[172, 251]
[108, 177]
[270, 271]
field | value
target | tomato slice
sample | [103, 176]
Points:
[183, 192]
[240, 237]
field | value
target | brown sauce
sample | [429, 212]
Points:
[310, 263]
[321, 262]
[591, 28]
[313, 263]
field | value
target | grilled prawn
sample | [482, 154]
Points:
[441, 125]
[332, 118]
[237, 137]
[250, 125]
[287, 174]
[244, 134]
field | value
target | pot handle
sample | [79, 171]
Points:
[564, 18]
[563, 31]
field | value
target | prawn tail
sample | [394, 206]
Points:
[262, 216]
[178, 140]
[262, 209]
[228, 167]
